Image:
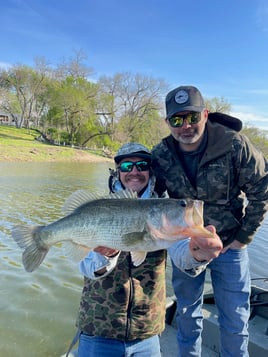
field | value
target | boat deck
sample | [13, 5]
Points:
[169, 345]
[258, 330]
[258, 335]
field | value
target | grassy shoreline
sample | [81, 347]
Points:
[20, 145]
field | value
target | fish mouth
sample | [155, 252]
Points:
[195, 222]
[193, 225]
[194, 214]
[198, 208]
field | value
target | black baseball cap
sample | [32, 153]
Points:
[184, 98]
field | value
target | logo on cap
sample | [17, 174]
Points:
[181, 96]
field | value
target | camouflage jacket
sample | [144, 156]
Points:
[129, 303]
[230, 165]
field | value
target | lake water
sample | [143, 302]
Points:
[38, 310]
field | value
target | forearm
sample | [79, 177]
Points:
[183, 259]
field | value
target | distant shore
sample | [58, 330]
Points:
[20, 145]
[47, 153]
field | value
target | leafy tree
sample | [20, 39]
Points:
[65, 104]
[258, 137]
[9, 103]
[26, 85]
[72, 101]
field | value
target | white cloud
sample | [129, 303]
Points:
[250, 119]
[263, 91]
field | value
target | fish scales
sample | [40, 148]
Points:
[105, 224]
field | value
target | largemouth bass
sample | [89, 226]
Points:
[120, 221]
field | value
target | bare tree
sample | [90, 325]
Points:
[216, 104]
[135, 99]
[74, 67]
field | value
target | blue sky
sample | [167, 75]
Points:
[220, 46]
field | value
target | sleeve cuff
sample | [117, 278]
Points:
[182, 259]
[243, 237]
[95, 262]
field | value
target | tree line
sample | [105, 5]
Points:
[68, 107]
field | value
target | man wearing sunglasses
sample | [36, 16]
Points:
[122, 308]
[206, 158]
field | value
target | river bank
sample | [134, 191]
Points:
[47, 153]
[20, 145]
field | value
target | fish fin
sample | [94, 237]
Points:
[77, 199]
[138, 257]
[81, 197]
[34, 252]
[127, 193]
[76, 251]
[133, 238]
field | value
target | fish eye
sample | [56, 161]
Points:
[183, 203]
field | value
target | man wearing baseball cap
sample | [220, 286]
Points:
[206, 158]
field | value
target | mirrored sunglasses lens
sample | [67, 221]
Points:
[126, 166]
[194, 118]
[142, 165]
[176, 121]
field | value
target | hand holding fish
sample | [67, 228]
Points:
[205, 249]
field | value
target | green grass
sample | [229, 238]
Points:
[21, 145]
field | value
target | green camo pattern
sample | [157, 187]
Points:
[129, 303]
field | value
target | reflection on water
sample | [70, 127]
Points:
[38, 310]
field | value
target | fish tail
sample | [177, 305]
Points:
[34, 249]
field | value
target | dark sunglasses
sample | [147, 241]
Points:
[177, 120]
[127, 166]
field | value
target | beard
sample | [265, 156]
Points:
[188, 137]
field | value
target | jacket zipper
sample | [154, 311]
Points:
[130, 301]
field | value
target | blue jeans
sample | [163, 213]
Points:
[93, 346]
[230, 279]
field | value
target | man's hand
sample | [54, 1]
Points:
[108, 252]
[205, 249]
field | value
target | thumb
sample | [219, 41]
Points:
[211, 228]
